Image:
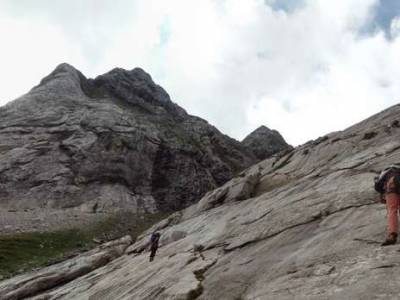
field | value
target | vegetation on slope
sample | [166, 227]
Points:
[21, 252]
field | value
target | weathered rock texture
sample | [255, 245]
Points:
[309, 229]
[113, 142]
[264, 142]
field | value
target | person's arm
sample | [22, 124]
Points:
[382, 198]
[389, 185]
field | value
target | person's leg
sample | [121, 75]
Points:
[153, 253]
[392, 206]
[398, 204]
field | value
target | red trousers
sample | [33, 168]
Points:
[392, 206]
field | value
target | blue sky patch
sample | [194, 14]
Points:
[165, 31]
[383, 14]
[288, 6]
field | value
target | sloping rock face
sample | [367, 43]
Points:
[265, 142]
[308, 229]
[113, 142]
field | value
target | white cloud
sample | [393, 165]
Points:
[238, 64]
[28, 52]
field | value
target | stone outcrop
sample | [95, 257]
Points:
[78, 147]
[264, 142]
[308, 229]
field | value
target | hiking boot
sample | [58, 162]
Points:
[390, 240]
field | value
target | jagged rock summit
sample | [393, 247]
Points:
[75, 149]
[265, 142]
[304, 225]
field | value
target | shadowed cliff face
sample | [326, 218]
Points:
[302, 225]
[109, 143]
[115, 141]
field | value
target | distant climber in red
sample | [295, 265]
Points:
[154, 239]
[388, 185]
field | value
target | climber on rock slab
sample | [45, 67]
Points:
[154, 239]
[388, 185]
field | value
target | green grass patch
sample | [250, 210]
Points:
[23, 252]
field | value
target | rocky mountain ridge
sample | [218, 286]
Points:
[76, 149]
[305, 224]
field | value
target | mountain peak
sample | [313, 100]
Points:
[137, 73]
[262, 128]
[65, 67]
[65, 76]
[119, 131]
[134, 86]
[113, 77]
[265, 142]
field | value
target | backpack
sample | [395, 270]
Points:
[380, 180]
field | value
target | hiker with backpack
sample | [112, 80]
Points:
[388, 185]
[154, 239]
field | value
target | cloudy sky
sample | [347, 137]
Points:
[303, 67]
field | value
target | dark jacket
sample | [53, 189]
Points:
[154, 239]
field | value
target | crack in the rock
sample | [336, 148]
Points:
[318, 217]
[269, 236]
[199, 275]
[387, 266]
[291, 154]
[313, 170]
[367, 241]
[33, 126]
[351, 206]
[377, 155]
[257, 219]
[215, 246]
[352, 167]
[286, 161]
[153, 141]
